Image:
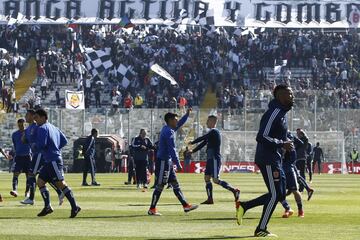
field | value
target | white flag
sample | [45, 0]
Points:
[74, 100]
[162, 72]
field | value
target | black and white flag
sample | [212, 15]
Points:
[97, 61]
[125, 75]
[206, 18]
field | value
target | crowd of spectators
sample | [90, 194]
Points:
[232, 64]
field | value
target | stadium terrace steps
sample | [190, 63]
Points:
[24, 82]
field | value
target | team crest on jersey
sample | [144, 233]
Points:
[276, 174]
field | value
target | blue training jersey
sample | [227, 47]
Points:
[213, 141]
[49, 141]
[167, 148]
[30, 135]
[21, 149]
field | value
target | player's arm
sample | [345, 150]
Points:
[183, 120]
[13, 141]
[200, 146]
[150, 145]
[202, 138]
[63, 140]
[170, 140]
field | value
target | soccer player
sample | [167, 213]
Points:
[166, 157]
[213, 164]
[37, 160]
[141, 146]
[49, 142]
[90, 164]
[309, 160]
[271, 139]
[301, 151]
[291, 179]
[22, 157]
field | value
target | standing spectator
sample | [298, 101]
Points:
[88, 87]
[43, 88]
[37, 104]
[97, 98]
[318, 157]
[187, 160]
[89, 154]
[4, 94]
[118, 158]
[141, 146]
[57, 95]
[128, 101]
[138, 101]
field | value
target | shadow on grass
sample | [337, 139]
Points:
[147, 205]
[111, 217]
[207, 238]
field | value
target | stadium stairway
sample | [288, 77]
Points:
[26, 78]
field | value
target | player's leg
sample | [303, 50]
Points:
[138, 173]
[36, 163]
[15, 181]
[26, 169]
[303, 184]
[209, 188]
[300, 165]
[57, 174]
[224, 184]
[319, 166]
[178, 193]
[162, 168]
[275, 178]
[41, 181]
[93, 172]
[86, 168]
[309, 168]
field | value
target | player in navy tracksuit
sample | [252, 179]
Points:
[37, 160]
[89, 160]
[213, 163]
[292, 186]
[301, 151]
[309, 152]
[167, 157]
[49, 142]
[271, 139]
[141, 146]
[22, 157]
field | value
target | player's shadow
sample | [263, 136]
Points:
[208, 238]
[146, 205]
[212, 219]
[110, 217]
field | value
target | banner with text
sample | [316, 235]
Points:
[249, 13]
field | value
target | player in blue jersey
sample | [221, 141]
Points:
[22, 157]
[167, 157]
[213, 164]
[37, 160]
[49, 142]
[271, 140]
[292, 186]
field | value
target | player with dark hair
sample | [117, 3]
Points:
[309, 152]
[22, 157]
[89, 161]
[301, 153]
[271, 140]
[49, 142]
[37, 160]
[318, 157]
[167, 157]
[213, 164]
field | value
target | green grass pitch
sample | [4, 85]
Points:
[117, 211]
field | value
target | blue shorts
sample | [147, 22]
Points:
[213, 167]
[164, 172]
[22, 164]
[52, 172]
[291, 180]
[36, 163]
